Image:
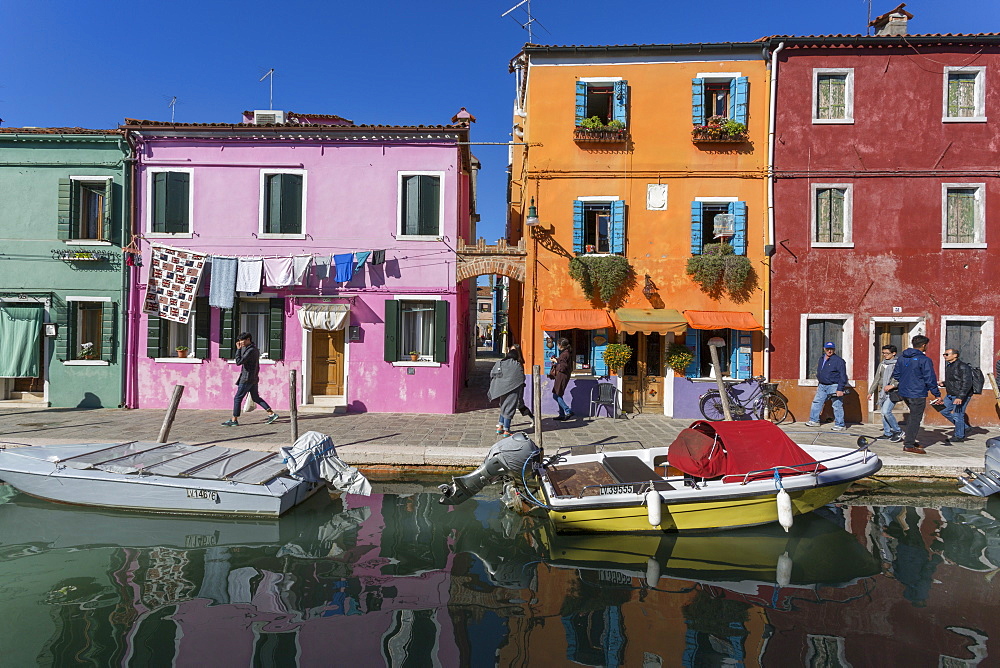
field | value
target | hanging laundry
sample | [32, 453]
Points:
[378, 257]
[174, 277]
[345, 267]
[359, 259]
[222, 288]
[248, 274]
[321, 265]
[278, 271]
[300, 267]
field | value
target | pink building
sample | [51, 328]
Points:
[302, 193]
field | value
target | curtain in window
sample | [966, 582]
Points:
[90, 325]
[421, 205]
[961, 216]
[417, 327]
[20, 328]
[832, 96]
[962, 94]
[830, 215]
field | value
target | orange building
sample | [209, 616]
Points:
[650, 155]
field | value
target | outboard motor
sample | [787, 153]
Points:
[507, 457]
[984, 484]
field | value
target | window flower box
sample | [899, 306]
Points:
[718, 129]
[601, 135]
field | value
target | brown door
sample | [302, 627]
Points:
[642, 377]
[327, 362]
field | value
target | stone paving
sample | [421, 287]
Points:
[462, 439]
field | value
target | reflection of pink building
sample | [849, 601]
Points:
[316, 186]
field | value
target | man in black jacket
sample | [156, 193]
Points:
[958, 390]
[248, 358]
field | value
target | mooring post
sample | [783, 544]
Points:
[536, 404]
[293, 405]
[714, 344]
[168, 420]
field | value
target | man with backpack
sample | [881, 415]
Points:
[913, 377]
[959, 385]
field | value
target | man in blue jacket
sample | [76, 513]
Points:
[914, 377]
[831, 376]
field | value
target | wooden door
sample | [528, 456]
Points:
[327, 362]
[642, 377]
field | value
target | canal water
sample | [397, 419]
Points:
[397, 579]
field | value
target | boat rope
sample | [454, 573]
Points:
[777, 480]
[524, 482]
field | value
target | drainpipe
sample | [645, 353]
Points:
[770, 206]
[130, 278]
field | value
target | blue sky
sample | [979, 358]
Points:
[379, 62]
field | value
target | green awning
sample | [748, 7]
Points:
[20, 329]
[650, 321]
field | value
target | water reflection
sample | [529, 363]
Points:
[397, 579]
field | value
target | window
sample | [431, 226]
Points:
[831, 215]
[607, 99]
[963, 215]
[734, 360]
[416, 325]
[587, 345]
[833, 95]
[484, 307]
[263, 318]
[972, 337]
[707, 227]
[964, 98]
[719, 94]
[421, 204]
[85, 208]
[169, 202]
[598, 225]
[90, 329]
[282, 203]
[163, 336]
[817, 330]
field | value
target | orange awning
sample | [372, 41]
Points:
[722, 320]
[650, 321]
[555, 320]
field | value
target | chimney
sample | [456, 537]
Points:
[892, 23]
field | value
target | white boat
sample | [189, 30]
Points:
[988, 482]
[175, 477]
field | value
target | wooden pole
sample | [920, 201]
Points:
[168, 419]
[723, 395]
[536, 404]
[293, 405]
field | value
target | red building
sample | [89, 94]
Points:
[886, 201]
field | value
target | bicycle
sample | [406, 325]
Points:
[764, 402]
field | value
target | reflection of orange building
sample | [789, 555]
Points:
[645, 189]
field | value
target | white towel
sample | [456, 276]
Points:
[248, 274]
[301, 264]
[278, 271]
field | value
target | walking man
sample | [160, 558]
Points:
[913, 377]
[958, 391]
[248, 358]
[879, 386]
[831, 376]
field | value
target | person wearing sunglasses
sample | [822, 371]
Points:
[958, 388]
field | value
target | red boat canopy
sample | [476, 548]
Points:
[713, 449]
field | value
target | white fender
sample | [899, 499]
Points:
[784, 510]
[654, 511]
[652, 572]
[784, 570]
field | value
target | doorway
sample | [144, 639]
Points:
[642, 376]
[327, 364]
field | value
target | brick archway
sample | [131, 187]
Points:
[502, 259]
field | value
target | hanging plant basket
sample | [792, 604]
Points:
[604, 277]
[719, 270]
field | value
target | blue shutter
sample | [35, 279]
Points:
[577, 226]
[739, 97]
[548, 352]
[739, 361]
[581, 101]
[698, 101]
[618, 227]
[739, 211]
[691, 340]
[598, 364]
[620, 110]
[695, 228]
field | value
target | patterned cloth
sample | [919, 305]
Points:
[174, 276]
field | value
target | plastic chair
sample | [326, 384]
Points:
[604, 394]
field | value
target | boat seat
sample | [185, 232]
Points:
[629, 468]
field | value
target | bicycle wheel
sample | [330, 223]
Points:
[711, 406]
[775, 408]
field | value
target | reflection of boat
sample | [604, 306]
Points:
[713, 476]
[984, 484]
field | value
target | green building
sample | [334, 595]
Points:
[64, 202]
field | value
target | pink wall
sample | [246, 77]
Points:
[351, 202]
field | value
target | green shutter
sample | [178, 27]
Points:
[107, 233]
[202, 327]
[72, 346]
[441, 331]
[177, 198]
[109, 313]
[430, 205]
[159, 202]
[273, 223]
[391, 349]
[65, 216]
[60, 315]
[291, 204]
[228, 320]
[276, 328]
[155, 336]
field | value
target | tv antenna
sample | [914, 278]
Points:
[270, 99]
[173, 106]
[527, 25]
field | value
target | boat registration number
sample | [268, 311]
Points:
[617, 489]
[203, 494]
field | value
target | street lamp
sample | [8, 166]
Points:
[532, 218]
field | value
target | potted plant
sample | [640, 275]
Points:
[678, 357]
[182, 351]
[415, 355]
[720, 128]
[86, 351]
[718, 269]
[595, 129]
[616, 355]
[604, 277]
